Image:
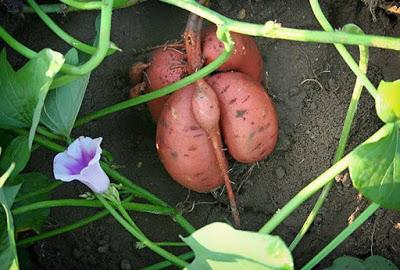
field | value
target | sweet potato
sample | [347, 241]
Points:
[249, 120]
[184, 147]
[245, 58]
[167, 65]
[189, 140]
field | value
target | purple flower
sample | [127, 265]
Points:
[81, 162]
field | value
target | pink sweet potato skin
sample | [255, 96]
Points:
[183, 147]
[167, 66]
[249, 120]
[245, 58]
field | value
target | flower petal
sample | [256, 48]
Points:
[95, 178]
[64, 167]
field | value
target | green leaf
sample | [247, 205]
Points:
[22, 93]
[388, 101]
[379, 263]
[219, 246]
[375, 167]
[30, 184]
[62, 104]
[17, 152]
[8, 194]
[8, 250]
[371, 263]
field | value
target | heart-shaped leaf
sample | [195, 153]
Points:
[219, 246]
[17, 152]
[62, 104]
[371, 263]
[375, 167]
[388, 101]
[22, 93]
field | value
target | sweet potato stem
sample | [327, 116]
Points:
[192, 37]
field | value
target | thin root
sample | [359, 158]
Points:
[312, 80]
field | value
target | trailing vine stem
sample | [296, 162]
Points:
[311, 189]
[70, 227]
[139, 207]
[222, 35]
[140, 236]
[62, 8]
[97, 57]
[323, 21]
[342, 236]
[364, 56]
[274, 30]
[67, 228]
[62, 34]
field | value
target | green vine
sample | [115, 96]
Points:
[341, 147]
[105, 47]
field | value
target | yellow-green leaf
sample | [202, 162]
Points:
[388, 101]
[218, 246]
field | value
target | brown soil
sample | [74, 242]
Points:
[311, 86]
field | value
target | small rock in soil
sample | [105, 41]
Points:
[125, 265]
[280, 172]
[242, 14]
[103, 249]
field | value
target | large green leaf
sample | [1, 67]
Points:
[28, 194]
[62, 104]
[8, 250]
[17, 152]
[375, 167]
[371, 263]
[22, 93]
[388, 101]
[219, 246]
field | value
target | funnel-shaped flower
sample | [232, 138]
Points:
[81, 162]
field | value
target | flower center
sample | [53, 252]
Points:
[82, 162]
